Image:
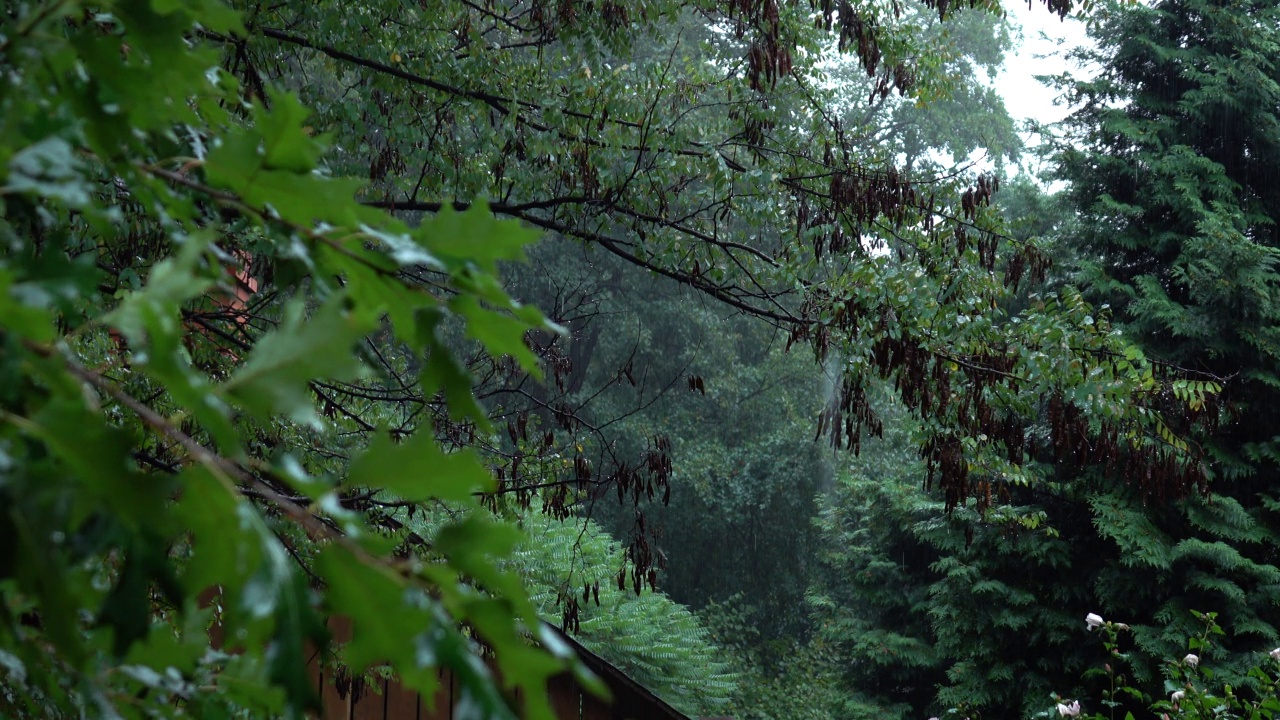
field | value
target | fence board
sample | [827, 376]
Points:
[371, 705]
[441, 706]
[566, 697]
[337, 705]
[402, 703]
[593, 708]
[354, 701]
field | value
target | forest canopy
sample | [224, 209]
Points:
[300, 303]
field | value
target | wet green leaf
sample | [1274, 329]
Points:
[418, 469]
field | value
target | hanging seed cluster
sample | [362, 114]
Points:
[953, 391]
[944, 7]
[535, 470]
[648, 480]
[845, 418]
[859, 197]
[549, 18]
[966, 235]
[1061, 8]
[979, 195]
[584, 171]
[855, 30]
[386, 160]
[1156, 471]
[512, 478]
[1025, 262]
[768, 57]
[642, 561]
[571, 605]
[553, 359]
[348, 685]
[864, 195]
[862, 34]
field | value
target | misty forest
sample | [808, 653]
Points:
[605, 359]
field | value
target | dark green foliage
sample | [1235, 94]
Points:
[151, 480]
[243, 344]
[932, 610]
[796, 679]
[654, 640]
[1174, 170]
[1174, 173]
[1170, 163]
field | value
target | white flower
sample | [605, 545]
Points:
[1177, 696]
[1275, 654]
[1191, 660]
[1093, 620]
[1071, 710]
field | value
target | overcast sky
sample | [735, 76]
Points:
[1045, 42]
[1025, 96]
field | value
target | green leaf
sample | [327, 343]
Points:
[43, 573]
[32, 322]
[376, 292]
[154, 310]
[474, 236]
[285, 143]
[444, 371]
[241, 163]
[181, 651]
[127, 608]
[223, 551]
[212, 15]
[275, 377]
[384, 623]
[49, 169]
[475, 538]
[97, 457]
[298, 631]
[500, 334]
[418, 469]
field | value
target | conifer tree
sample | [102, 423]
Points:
[1170, 162]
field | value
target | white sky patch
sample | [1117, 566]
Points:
[1045, 42]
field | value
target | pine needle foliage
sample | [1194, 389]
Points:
[1171, 161]
[1172, 165]
[654, 640]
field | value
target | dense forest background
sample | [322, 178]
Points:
[729, 337]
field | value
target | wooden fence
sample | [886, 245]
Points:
[348, 699]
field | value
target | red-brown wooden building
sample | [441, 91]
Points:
[345, 699]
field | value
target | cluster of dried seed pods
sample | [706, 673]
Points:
[955, 392]
[571, 605]
[858, 197]
[642, 562]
